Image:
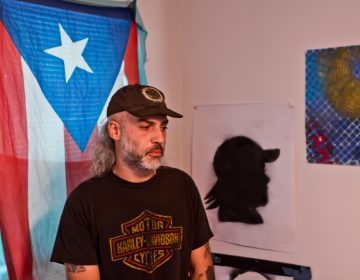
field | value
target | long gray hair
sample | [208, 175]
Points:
[103, 156]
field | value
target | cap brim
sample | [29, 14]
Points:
[173, 114]
[155, 111]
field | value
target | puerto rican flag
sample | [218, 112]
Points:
[60, 64]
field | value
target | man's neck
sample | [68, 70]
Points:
[132, 175]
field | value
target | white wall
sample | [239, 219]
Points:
[164, 66]
[241, 51]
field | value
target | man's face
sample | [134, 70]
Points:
[142, 141]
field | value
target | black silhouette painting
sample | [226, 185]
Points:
[242, 184]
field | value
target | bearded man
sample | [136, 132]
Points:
[134, 219]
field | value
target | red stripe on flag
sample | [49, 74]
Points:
[14, 222]
[131, 56]
[77, 163]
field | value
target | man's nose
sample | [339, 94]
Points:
[158, 135]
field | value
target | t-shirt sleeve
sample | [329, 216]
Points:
[202, 231]
[74, 242]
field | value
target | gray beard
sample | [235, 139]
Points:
[136, 159]
[140, 165]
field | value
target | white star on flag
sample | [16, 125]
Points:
[71, 53]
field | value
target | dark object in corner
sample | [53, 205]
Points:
[242, 264]
[241, 187]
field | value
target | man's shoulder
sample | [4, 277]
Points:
[90, 186]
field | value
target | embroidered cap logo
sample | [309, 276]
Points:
[152, 94]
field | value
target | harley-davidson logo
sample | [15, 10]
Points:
[147, 241]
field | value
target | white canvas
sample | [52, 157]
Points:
[271, 126]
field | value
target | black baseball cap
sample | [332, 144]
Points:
[140, 101]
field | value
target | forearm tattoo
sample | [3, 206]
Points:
[207, 251]
[74, 268]
[208, 275]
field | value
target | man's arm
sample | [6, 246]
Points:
[82, 272]
[202, 267]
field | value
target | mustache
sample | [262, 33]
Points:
[156, 147]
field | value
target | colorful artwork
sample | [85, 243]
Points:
[333, 105]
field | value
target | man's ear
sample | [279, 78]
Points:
[114, 130]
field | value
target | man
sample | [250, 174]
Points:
[135, 219]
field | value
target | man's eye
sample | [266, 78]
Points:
[145, 127]
[164, 128]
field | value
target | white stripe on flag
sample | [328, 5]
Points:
[121, 80]
[47, 177]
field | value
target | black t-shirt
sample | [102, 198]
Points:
[133, 230]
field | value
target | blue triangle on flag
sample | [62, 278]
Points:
[74, 51]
